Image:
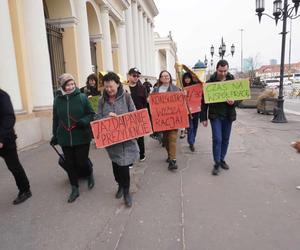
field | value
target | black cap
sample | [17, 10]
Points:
[134, 71]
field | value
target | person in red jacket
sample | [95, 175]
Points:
[8, 148]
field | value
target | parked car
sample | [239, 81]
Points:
[271, 83]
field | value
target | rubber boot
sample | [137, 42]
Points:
[74, 194]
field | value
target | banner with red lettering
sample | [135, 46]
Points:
[121, 128]
[168, 111]
[194, 97]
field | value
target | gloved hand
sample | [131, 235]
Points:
[53, 141]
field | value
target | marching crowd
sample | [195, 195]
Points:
[72, 114]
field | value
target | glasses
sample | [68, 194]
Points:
[135, 76]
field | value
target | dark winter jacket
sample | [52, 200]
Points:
[217, 110]
[90, 91]
[124, 153]
[139, 95]
[72, 114]
[7, 121]
[172, 88]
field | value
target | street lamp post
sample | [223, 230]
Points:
[222, 49]
[279, 13]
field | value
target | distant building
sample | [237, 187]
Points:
[248, 64]
[273, 62]
[200, 69]
[165, 54]
[271, 71]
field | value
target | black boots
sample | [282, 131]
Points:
[127, 197]
[192, 147]
[91, 181]
[216, 168]
[119, 193]
[22, 196]
[224, 165]
[172, 165]
[74, 194]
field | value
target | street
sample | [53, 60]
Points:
[253, 205]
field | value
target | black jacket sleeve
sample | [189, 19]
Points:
[7, 118]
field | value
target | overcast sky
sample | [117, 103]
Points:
[197, 24]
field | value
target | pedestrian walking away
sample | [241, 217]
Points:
[170, 136]
[8, 148]
[221, 116]
[115, 101]
[139, 96]
[72, 114]
[187, 80]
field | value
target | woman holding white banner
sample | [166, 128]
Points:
[170, 136]
[115, 101]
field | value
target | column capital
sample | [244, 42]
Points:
[134, 1]
[140, 8]
[145, 15]
[63, 22]
[104, 8]
[149, 20]
[121, 22]
[96, 38]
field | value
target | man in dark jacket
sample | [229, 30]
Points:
[8, 148]
[139, 96]
[221, 116]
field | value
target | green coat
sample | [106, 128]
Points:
[72, 114]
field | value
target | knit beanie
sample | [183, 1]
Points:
[64, 79]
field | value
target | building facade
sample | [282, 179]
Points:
[165, 54]
[45, 38]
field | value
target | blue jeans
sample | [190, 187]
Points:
[192, 130]
[221, 129]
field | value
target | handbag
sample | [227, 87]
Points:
[61, 162]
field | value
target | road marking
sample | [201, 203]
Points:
[291, 112]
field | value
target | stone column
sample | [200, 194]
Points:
[37, 54]
[98, 40]
[69, 44]
[122, 48]
[107, 49]
[129, 38]
[170, 62]
[152, 49]
[135, 22]
[83, 41]
[8, 71]
[157, 63]
[146, 39]
[142, 41]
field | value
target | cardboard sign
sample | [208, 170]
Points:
[168, 111]
[94, 102]
[194, 97]
[227, 90]
[122, 128]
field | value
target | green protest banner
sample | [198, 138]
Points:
[227, 90]
[94, 102]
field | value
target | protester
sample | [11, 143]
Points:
[187, 80]
[169, 137]
[91, 88]
[148, 86]
[139, 96]
[8, 148]
[115, 101]
[221, 116]
[72, 114]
